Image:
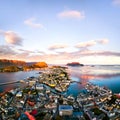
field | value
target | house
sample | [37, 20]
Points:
[65, 110]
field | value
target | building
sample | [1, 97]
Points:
[65, 110]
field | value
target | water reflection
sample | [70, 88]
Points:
[14, 76]
[100, 75]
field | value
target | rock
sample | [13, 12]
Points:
[40, 65]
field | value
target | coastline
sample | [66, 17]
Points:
[40, 94]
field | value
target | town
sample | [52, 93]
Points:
[43, 98]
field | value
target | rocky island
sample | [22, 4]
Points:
[75, 64]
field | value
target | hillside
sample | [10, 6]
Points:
[16, 65]
[40, 65]
[5, 62]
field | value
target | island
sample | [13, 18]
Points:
[75, 64]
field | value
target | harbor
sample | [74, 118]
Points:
[43, 98]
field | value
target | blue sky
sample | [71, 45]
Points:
[86, 31]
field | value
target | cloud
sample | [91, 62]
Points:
[72, 14]
[116, 2]
[57, 46]
[103, 41]
[1, 32]
[86, 44]
[95, 53]
[108, 53]
[91, 43]
[84, 56]
[6, 51]
[31, 22]
[11, 37]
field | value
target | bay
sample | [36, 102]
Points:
[108, 76]
[101, 75]
[15, 76]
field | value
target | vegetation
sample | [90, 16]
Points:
[10, 69]
[36, 65]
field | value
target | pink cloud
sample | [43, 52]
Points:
[31, 22]
[91, 43]
[12, 38]
[60, 57]
[71, 14]
[86, 44]
[57, 46]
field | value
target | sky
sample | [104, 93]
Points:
[60, 31]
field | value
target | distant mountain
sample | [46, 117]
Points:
[5, 62]
[74, 64]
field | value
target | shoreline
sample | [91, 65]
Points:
[37, 96]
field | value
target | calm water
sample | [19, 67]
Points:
[14, 76]
[108, 76]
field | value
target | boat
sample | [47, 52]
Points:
[52, 85]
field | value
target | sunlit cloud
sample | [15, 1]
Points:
[116, 2]
[31, 22]
[86, 44]
[11, 37]
[72, 14]
[64, 57]
[83, 56]
[91, 43]
[57, 46]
